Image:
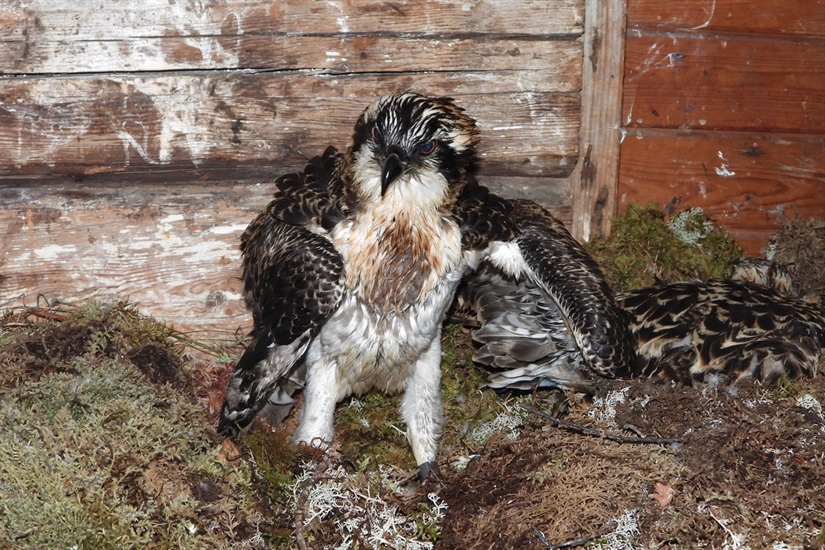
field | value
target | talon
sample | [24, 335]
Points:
[428, 470]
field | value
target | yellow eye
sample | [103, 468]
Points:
[376, 134]
[428, 148]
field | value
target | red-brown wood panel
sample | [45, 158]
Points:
[745, 182]
[698, 82]
[787, 17]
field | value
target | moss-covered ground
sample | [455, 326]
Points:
[107, 440]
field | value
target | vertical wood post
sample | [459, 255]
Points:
[595, 179]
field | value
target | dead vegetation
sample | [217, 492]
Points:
[108, 441]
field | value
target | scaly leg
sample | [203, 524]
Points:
[423, 410]
[320, 396]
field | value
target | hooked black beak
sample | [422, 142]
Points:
[392, 168]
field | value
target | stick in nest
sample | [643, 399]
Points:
[568, 544]
[300, 505]
[574, 427]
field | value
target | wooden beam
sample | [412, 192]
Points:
[44, 36]
[340, 54]
[596, 175]
[776, 17]
[122, 124]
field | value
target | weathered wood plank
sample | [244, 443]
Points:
[336, 54]
[172, 249]
[86, 20]
[690, 82]
[594, 181]
[795, 17]
[120, 124]
[744, 181]
[84, 36]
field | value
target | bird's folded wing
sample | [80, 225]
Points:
[559, 265]
[692, 330]
[543, 283]
[522, 337]
[293, 284]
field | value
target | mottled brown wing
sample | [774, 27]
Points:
[293, 279]
[570, 276]
[483, 217]
[313, 198]
[293, 284]
[686, 331]
[664, 320]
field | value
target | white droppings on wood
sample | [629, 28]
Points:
[209, 253]
[184, 123]
[653, 60]
[710, 17]
[55, 119]
[723, 170]
[172, 218]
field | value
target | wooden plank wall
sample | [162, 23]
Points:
[137, 137]
[724, 108]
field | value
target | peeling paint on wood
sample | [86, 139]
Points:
[119, 124]
[158, 35]
[175, 254]
[122, 87]
[169, 255]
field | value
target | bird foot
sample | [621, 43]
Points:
[428, 470]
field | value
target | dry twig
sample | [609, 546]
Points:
[567, 544]
[572, 426]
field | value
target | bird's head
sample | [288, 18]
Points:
[423, 145]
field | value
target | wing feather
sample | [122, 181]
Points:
[522, 337]
[560, 275]
[293, 284]
[561, 267]
[733, 328]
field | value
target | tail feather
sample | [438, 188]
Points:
[261, 370]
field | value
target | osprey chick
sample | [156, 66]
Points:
[351, 268]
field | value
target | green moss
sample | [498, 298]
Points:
[644, 248]
[466, 406]
[96, 453]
